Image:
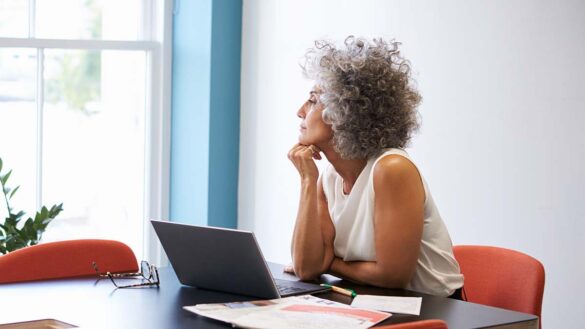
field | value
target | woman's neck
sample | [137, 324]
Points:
[349, 170]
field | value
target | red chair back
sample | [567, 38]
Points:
[66, 259]
[502, 278]
[422, 324]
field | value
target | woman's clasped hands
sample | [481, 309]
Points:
[303, 156]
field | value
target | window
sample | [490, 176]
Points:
[84, 114]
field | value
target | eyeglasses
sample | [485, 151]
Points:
[147, 272]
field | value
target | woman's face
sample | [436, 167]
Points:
[313, 131]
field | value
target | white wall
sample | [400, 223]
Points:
[502, 143]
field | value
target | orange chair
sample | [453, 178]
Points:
[502, 278]
[66, 259]
[423, 324]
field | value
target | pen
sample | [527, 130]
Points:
[343, 291]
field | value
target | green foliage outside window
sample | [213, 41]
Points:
[79, 80]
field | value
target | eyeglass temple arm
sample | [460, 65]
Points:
[149, 283]
[139, 285]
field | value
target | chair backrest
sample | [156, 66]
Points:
[66, 259]
[422, 324]
[502, 278]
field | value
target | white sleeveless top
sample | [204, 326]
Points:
[437, 272]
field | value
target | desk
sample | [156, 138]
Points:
[96, 304]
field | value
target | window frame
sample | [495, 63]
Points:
[158, 50]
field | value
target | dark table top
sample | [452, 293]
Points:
[88, 303]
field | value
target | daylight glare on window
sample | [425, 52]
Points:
[72, 121]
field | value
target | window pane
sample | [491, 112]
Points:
[94, 143]
[88, 19]
[13, 19]
[18, 125]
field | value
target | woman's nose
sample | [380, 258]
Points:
[301, 112]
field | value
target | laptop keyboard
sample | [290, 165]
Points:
[290, 288]
[286, 290]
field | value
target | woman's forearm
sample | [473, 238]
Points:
[308, 248]
[369, 272]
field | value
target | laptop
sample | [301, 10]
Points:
[224, 260]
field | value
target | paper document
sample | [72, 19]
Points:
[405, 305]
[290, 313]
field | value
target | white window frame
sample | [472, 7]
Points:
[158, 51]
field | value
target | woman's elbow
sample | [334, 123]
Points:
[403, 281]
[308, 276]
[306, 273]
[397, 280]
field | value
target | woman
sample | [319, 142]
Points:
[369, 217]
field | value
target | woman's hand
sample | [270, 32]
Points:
[289, 269]
[302, 157]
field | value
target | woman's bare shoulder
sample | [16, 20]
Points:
[397, 174]
[394, 166]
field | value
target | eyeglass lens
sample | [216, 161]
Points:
[145, 270]
[154, 275]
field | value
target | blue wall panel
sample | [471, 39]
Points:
[225, 113]
[190, 112]
[205, 112]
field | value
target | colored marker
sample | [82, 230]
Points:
[343, 291]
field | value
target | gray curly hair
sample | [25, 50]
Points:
[366, 90]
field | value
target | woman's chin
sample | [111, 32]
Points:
[303, 140]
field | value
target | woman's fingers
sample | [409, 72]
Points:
[294, 150]
[301, 150]
[314, 148]
[315, 152]
[302, 157]
[291, 151]
[289, 269]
